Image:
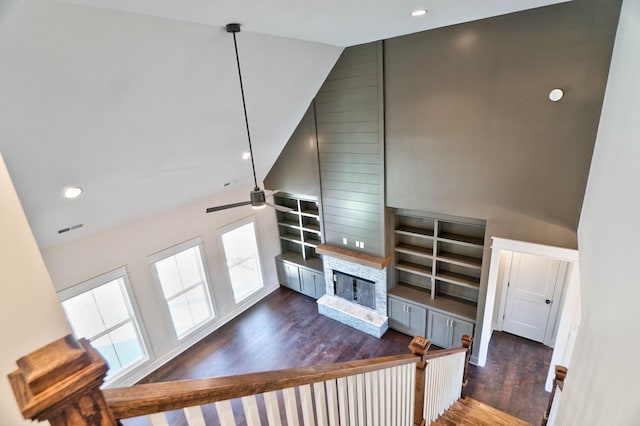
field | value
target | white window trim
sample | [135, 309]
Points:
[131, 303]
[231, 227]
[172, 251]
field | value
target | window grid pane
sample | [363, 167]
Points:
[185, 289]
[103, 316]
[241, 251]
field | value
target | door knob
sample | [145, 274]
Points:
[548, 302]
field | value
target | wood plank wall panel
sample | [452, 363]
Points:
[349, 122]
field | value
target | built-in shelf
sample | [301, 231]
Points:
[438, 262]
[300, 229]
[314, 263]
[459, 259]
[414, 268]
[289, 223]
[414, 231]
[459, 279]
[414, 250]
[445, 304]
[461, 239]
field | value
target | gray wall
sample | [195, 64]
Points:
[296, 169]
[469, 127]
[347, 113]
[470, 130]
[350, 130]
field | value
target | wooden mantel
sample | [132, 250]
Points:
[354, 256]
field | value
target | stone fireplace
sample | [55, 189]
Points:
[354, 273]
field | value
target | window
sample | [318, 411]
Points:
[101, 311]
[243, 263]
[184, 284]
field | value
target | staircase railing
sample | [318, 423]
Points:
[556, 394]
[446, 378]
[61, 383]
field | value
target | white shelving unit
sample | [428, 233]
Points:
[300, 230]
[299, 266]
[438, 264]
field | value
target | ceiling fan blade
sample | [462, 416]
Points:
[280, 208]
[228, 206]
[272, 193]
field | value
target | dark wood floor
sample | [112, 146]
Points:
[285, 331]
[513, 378]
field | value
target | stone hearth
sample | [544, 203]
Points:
[371, 321]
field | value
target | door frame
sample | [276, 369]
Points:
[506, 263]
[499, 246]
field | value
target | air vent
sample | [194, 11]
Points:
[71, 228]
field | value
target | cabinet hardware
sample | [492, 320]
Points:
[548, 302]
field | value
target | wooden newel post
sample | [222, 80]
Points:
[60, 382]
[419, 346]
[561, 374]
[466, 343]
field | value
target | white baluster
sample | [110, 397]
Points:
[412, 392]
[343, 401]
[371, 396]
[388, 397]
[273, 408]
[251, 413]
[353, 400]
[362, 399]
[157, 419]
[321, 404]
[332, 403]
[307, 406]
[225, 413]
[290, 406]
[194, 416]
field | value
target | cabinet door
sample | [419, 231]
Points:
[307, 283]
[438, 330]
[398, 315]
[292, 277]
[460, 328]
[417, 320]
[282, 273]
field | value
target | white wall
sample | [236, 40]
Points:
[131, 244]
[601, 385]
[30, 315]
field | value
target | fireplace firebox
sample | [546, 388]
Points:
[354, 289]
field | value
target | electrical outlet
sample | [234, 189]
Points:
[361, 244]
[344, 240]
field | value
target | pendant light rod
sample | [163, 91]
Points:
[233, 29]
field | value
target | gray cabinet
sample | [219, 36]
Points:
[446, 331]
[300, 279]
[288, 275]
[312, 283]
[406, 317]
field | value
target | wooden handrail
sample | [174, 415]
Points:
[60, 383]
[140, 400]
[438, 353]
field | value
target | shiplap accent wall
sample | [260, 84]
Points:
[350, 129]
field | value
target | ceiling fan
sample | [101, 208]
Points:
[257, 197]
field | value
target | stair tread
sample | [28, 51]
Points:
[469, 412]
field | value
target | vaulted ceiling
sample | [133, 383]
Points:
[137, 101]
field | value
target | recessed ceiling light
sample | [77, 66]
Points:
[419, 12]
[246, 155]
[72, 192]
[555, 95]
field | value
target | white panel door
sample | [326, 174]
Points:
[532, 284]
